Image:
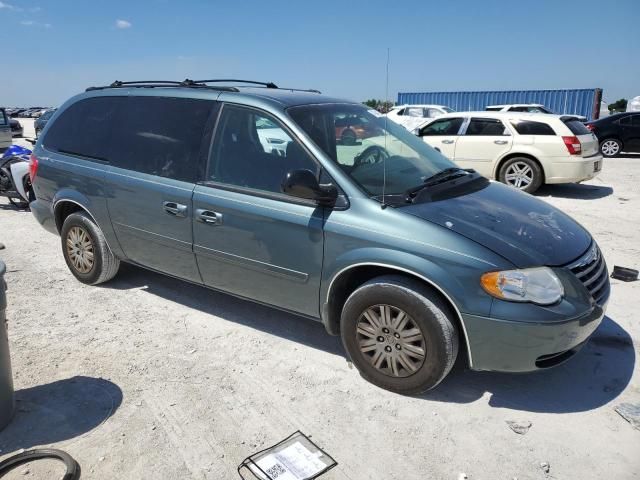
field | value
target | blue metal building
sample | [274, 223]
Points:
[582, 101]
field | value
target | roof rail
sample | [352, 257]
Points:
[195, 84]
[253, 82]
[162, 83]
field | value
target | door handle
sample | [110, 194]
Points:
[500, 142]
[175, 209]
[448, 142]
[209, 217]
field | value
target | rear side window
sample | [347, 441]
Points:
[631, 120]
[163, 136]
[486, 127]
[532, 128]
[577, 127]
[83, 129]
[446, 126]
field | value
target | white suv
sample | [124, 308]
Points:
[524, 150]
[412, 116]
[526, 108]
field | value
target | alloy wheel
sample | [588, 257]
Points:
[519, 175]
[391, 340]
[80, 249]
[610, 148]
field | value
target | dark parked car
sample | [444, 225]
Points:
[41, 122]
[16, 128]
[617, 133]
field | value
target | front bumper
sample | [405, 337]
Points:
[515, 346]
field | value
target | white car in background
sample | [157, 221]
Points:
[523, 150]
[412, 116]
[526, 108]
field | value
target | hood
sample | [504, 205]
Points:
[519, 227]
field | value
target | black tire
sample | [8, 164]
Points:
[507, 168]
[426, 312]
[612, 147]
[105, 264]
[349, 137]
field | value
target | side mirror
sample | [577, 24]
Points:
[304, 184]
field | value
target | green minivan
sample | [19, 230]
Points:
[249, 189]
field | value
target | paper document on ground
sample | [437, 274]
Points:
[294, 462]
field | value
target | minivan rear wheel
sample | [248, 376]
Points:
[399, 335]
[86, 251]
[522, 173]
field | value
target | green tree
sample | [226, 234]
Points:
[372, 103]
[618, 106]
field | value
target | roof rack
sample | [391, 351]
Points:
[162, 83]
[196, 84]
[253, 82]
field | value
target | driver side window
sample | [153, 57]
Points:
[253, 150]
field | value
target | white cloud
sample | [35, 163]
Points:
[8, 6]
[122, 24]
[31, 23]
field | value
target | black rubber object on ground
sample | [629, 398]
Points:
[625, 274]
[73, 469]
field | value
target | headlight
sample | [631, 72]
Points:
[536, 285]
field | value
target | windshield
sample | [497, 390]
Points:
[448, 110]
[354, 137]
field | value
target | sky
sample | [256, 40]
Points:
[53, 49]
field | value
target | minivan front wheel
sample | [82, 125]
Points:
[399, 335]
[86, 251]
[522, 173]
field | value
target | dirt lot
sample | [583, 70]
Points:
[150, 377]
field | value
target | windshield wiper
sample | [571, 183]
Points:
[440, 177]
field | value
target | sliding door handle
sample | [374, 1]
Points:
[175, 209]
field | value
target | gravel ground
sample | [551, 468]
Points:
[150, 377]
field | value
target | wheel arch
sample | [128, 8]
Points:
[511, 155]
[347, 280]
[64, 207]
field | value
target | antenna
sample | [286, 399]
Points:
[386, 119]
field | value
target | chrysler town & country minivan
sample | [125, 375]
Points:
[411, 259]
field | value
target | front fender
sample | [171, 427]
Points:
[458, 283]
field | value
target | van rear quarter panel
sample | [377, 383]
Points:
[64, 177]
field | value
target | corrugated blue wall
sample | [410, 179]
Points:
[576, 101]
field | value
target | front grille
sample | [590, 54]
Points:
[591, 270]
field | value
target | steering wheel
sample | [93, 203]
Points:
[370, 155]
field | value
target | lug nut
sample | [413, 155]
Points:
[380, 339]
[385, 330]
[397, 335]
[387, 348]
[398, 347]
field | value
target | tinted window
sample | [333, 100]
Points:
[532, 128]
[447, 126]
[253, 150]
[486, 127]
[47, 115]
[163, 136]
[635, 120]
[84, 128]
[401, 111]
[3, 118]
[415, 112]
[493, 109]
[631, 120]
[577, 127]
